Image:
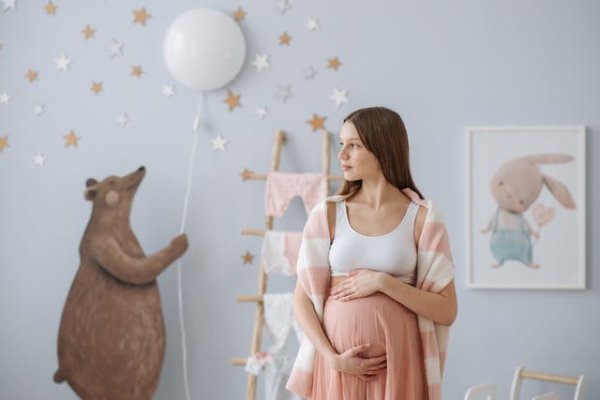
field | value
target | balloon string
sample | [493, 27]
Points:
[201, 102]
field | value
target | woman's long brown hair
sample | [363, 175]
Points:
[383, 133]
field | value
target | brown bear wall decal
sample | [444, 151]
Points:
[111, 341]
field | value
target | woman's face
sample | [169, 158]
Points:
[357, 162]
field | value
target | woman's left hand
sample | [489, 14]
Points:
[360, 283]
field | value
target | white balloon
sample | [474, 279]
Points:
[204, 49]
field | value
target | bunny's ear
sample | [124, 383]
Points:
[560, 191]
[557, 158]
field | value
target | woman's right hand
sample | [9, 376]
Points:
[350, 362]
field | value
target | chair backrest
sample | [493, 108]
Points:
[521, 374]
[547, 396]
[481, 392]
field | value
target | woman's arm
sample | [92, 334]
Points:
[349, 361]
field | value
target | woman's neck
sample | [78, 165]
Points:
[377, 193]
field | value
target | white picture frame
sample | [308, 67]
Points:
[502, 249]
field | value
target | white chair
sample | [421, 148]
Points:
[521, 374]
[484, 391]
[488, 391]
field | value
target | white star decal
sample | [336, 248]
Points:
[4, 98]
[309, 73]
[283, 92]
[261, 112]
[116, 49]
[39, 160]
[122, 119]
[62, 63]
[260, 62]
[219, 143]
[283, 6]
[339, 97]
[38, 109]
[9, 4]
[168, 91]
[312, 24]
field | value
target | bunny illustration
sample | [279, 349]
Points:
[515, 186]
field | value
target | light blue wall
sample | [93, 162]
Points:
[443, 65]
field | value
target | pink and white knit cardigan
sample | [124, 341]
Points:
[435, 270]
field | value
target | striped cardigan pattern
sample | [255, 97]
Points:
[435, 270]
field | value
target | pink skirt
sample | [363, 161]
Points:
[390, 328]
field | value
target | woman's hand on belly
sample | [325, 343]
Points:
[360, 283]
[351, 362]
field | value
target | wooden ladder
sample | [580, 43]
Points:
[255, 345]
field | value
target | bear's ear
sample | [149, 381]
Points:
[89, 194]
[91, 182]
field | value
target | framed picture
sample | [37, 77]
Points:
[526, 207]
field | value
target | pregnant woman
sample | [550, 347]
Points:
[375, 293]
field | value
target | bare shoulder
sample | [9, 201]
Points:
[419, 222]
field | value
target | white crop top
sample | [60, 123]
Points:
[394, 253]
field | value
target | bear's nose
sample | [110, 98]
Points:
[142, 168]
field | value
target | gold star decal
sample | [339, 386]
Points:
[317, 122]
[71, 139]
[248, 257]
[141, 16]
[88, 32]
[137, 71]
[246, 174]
[284, 39]
[50, 8]
[333, 63]
[239, 14]
[232, 100]
[96, 87]
[31, 75]
[3, 142]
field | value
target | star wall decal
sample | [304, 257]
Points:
[312, 24]
[71, 139]
[39, 160]
[115, 49]
[261, 112]
[334, 63]
[141, 16]
[232, 100]
[122, 119]
[62, 63]
[283, 6]
[96, 87]
[284, 39]
[219, 143]
[247, 257]
[9, 5]
[3, 142]
[88, 32]
[309, 73]
[283, 93]
[38, 109]
[261, 62]
[168, 91]
[4, 98]
[239, 14]
[137, 71]
[31, 75]
[50, 8]
[317, 122]
[339, 96]
[246, 174]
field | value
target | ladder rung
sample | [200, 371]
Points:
[257, 298]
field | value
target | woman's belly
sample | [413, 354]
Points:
[377, 320]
